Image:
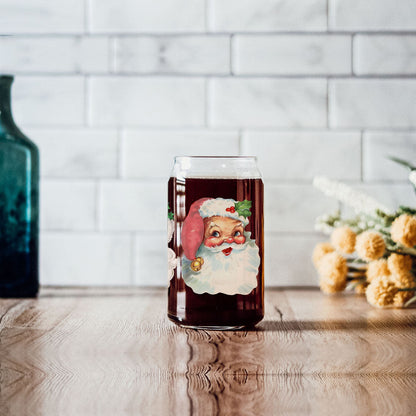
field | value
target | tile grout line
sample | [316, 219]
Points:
[252, 76]
[241, 145]
[328, 112]
[86, 16]
[120, 153]
[362, 155]
[288, 32]
[207, 10]
[232, 41]
[327, 15]
[98, 204]
[207, 114]
[112, 55]
[133, 265]
[87, 102]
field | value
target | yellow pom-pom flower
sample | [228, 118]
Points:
[403, 230]
[377, 268]
[360, 288]
[400, 298]
[399, 264]
[370, 245]
[333, 273]
[319, 252]
[343, 239]
[403, 280]
[329, 287]
[381, 292]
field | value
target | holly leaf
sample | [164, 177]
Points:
[243, 208]
[170, 213]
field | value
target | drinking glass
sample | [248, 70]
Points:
[215, 242]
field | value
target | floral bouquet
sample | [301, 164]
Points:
[373, 252]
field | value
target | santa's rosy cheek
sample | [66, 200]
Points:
[240, 239]
[212, 241]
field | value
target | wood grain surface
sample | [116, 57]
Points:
[114, 352]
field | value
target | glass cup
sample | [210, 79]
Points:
[215, 243]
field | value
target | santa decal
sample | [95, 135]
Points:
[220, 256]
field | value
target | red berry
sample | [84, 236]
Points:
[232, 209]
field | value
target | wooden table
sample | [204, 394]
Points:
[114, 352]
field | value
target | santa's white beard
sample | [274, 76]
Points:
[232, 274]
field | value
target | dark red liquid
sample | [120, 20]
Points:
[184, 305]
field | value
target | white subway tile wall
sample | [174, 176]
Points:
[144, 150]
[372, 15]
[42, 16]
[291, 54]
[111, 90]
[267, 102]
[385, 54]
[68, 205]
[173, 54]
[372, 103]
[146, 101]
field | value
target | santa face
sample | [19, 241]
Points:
[231, 259]
[219, 230]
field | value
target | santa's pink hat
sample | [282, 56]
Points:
[193, 227]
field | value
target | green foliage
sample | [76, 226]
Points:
[406, 210]
[243, 208]
[405, 164]
[402, 162]
[410, 302]
[170, 213]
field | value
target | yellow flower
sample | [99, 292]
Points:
[399, 263]
[403, 230]
[319, 251]
[333, 273]
[370, 245]
[343, 239]
[403, 280]
[360, 288]
[400, 298]
[381, 291]
[377, 268]
[329, 287]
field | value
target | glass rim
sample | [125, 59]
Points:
[217, 157]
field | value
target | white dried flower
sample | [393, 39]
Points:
[171, 229]
[412, 177]
[360, 202]
[172, 263]
[323, 228]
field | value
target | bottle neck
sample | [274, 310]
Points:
[6, 116]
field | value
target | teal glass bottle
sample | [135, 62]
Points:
[19, 204]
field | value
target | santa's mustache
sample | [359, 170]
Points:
[225, 245]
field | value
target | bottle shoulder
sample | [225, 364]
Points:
[17, 139]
